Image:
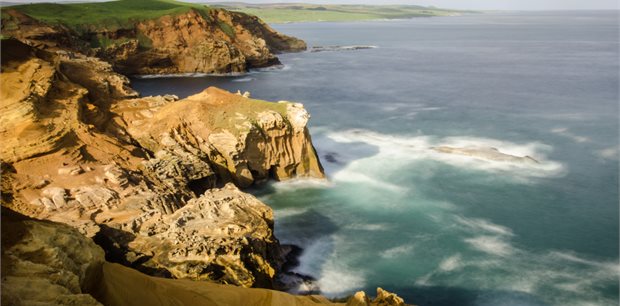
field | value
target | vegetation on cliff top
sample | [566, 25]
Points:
[281, 13]
[110, 15]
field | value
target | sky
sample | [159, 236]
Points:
[453, 4]
[475, 4]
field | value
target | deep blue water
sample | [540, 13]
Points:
[442, 229]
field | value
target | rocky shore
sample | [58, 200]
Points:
[150, 183]
[48, 263]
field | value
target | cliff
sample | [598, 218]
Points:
[47, 263]
[150, 179]
[153, 181]
[245, 140]
[152, 36]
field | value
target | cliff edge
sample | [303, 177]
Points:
[153, 180]
[151, 36]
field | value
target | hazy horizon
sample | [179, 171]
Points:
[449, 4]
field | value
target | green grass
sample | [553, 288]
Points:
[281, 13]
[106, 15]
[228, 29]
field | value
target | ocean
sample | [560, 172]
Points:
[450, 229]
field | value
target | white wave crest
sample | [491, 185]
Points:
[563, 131]
[244, 80]
[484, 225]
[302, 183]
[397, 251]
[368, 227]
[451, 263]
[422, 147]
[491, 245]
[187, 75]
[288, 212]
[351, 176]
[612, 267]
[611, 153]
[337, 279]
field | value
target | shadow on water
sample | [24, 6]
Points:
[451, 296]
[309, 227]
[311, 238]
[336, 156]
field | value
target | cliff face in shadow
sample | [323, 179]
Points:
[151, 179]
[195, 41]
[48, 263]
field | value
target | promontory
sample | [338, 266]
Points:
[113, 198]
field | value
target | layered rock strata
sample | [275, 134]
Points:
[150, 179]
[245, 140]
[196, 41]
[154, 181]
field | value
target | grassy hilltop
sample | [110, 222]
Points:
[121, 13]
[300, 12]
[113, 14]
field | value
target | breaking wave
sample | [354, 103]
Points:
[519, 160]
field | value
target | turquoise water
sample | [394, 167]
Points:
[443, 229]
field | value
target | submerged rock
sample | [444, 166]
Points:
[486, 153]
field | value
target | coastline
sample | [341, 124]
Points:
[143, 175]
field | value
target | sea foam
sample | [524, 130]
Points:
[243, 80]
[451, 263]
[301, 183]
[398, 149]
[337, 279]
[491, 244]
[483, 225]
[187, 75]
[397, 251]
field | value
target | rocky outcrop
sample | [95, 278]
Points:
[47, 263]
[197, 40]
[123, 286]
[486, 153]
[220, 42]
[224, 235]
[245, 140]
[54, 103]
[140, 175]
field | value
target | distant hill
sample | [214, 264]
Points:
[151, 36]
[303, 12]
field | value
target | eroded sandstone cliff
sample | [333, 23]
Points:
[154, 181]
[205, 40]
[151, 179]
[245, 140]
